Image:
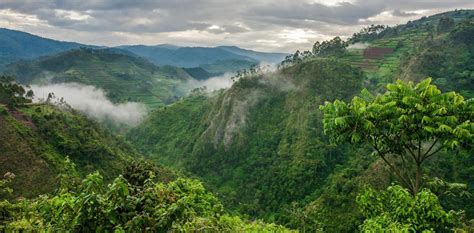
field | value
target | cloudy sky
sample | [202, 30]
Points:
[266, 25]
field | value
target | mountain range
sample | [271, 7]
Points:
[17, 45]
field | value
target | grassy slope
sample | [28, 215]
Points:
[123, 77]
[35, 140]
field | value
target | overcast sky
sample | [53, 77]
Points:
[266, 25]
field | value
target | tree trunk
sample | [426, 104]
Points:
[418, 179]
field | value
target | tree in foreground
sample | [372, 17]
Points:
[134, 202]
[406, 125]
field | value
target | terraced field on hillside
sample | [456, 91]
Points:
[384, 67]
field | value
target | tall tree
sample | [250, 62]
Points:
[406, 125]
[334, 47]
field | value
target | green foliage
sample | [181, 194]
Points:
[13, 94]
[38, 142]
[464, 32]
[446, 24]
[276, 156]
[373, 32]
[407, 123]
[449, 60]
[397, 210]
[87, 144]
[334, 47]
[259, 146]
[182, 205]
[138, 172]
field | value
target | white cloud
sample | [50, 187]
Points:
[93, 102]
[214, 83]
[71, 15]
[358, 46]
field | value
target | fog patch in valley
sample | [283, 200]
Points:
[93, 102]
[225, 81]
[212, 84]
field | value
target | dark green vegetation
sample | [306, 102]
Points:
[46, 149]
[260, 145]
[37, 142]
[199, 73]
[126, 205]
[13, 94]
[262, 137]
[396, 210]
[16, 45]
[229, 58]
[122, 77]
[447, 58]
[224, 66]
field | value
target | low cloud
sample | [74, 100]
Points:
[225, 81]
[214, 83]
[358, 46]
[93, 102]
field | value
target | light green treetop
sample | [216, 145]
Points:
[406, 125]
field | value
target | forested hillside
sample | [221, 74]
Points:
[90, 180]
[40, 141]
[260, 144]
[123, 77]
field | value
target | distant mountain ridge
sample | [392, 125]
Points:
[18, 45]
[197, 56]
